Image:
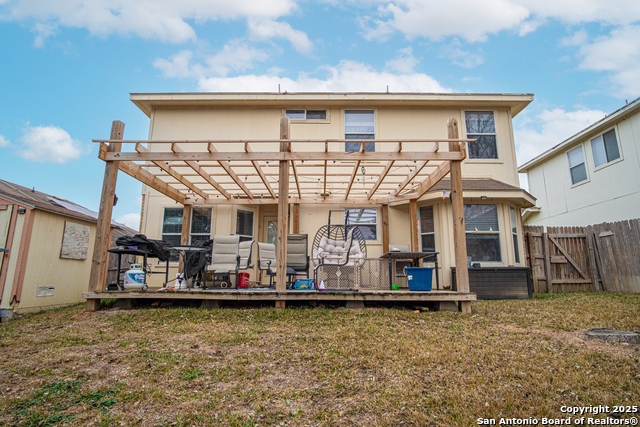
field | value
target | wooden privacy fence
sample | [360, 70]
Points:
[602, 257]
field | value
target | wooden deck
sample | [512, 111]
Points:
[256, 294]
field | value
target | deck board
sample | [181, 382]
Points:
[273, 295]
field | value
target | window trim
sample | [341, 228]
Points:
[493, 233]
[584, 162]
[514, 233]
[191, 234]
[305, 120]
[467, 134]
[433, 214]
[608, 163]
[253, 224]
[377, 239]
[345, 133]
[162, 234]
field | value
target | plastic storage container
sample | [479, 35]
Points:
[419, 278]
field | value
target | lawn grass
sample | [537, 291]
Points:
[318, 367]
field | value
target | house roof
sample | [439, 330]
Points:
[587, 133]
[148, 101]
[486, 184]
[46, 202]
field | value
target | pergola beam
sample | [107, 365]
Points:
[227, 167]
[258, 169]
[384, 173]
[201, 172]
[147, 178]
[371, 156]
[182, 180]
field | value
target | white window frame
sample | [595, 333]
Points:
[604, 147]
[584, 162]
[427, 233]
[174, 257]
[253, 224]
[470, 135]
[373, 134]
[362, 208]
[191, 233]
[514, 232]
[327, 114]
[487, 232]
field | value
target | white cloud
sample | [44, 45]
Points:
[404, 63]
[42, 31]
[234, 56]
[554, 127]
[266, 29]
[462, 58]
[576, 39]
[347, 76]
[131, 220]
[618, 54]
[164, 20]
[474, 21]
[4, 142]
[50, 144]
[434, 19]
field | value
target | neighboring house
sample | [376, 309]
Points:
[492, 196]
[46, 245]
[591, 177]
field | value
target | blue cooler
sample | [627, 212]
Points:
[419, 278]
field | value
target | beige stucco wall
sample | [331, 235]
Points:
[610, 193]
[391, 123]
[45, 267]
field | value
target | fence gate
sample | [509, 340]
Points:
[561, 260]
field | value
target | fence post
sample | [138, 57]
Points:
[531, 248]
[547, 260]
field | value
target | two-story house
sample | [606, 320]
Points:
[591, 177]
[492, 197]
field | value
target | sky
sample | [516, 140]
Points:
[68, 67]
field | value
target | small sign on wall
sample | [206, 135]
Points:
[45, 291]
[75, 241]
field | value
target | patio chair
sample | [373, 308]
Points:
[246, 253]
[298, 254]
[225, 259]
[267, 260]
[348, 248]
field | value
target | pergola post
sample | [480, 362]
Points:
[283, 213]
[99, 261]
[415, 231]
[385, 228]
[457, 208]
[184, 232]
[296, 218]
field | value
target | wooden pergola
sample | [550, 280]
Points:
[285, 172]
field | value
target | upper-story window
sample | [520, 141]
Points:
[481, 127]
[576, 165]
[605, 148]
[359, 124]
[306, 114]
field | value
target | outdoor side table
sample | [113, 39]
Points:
[414, 257]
